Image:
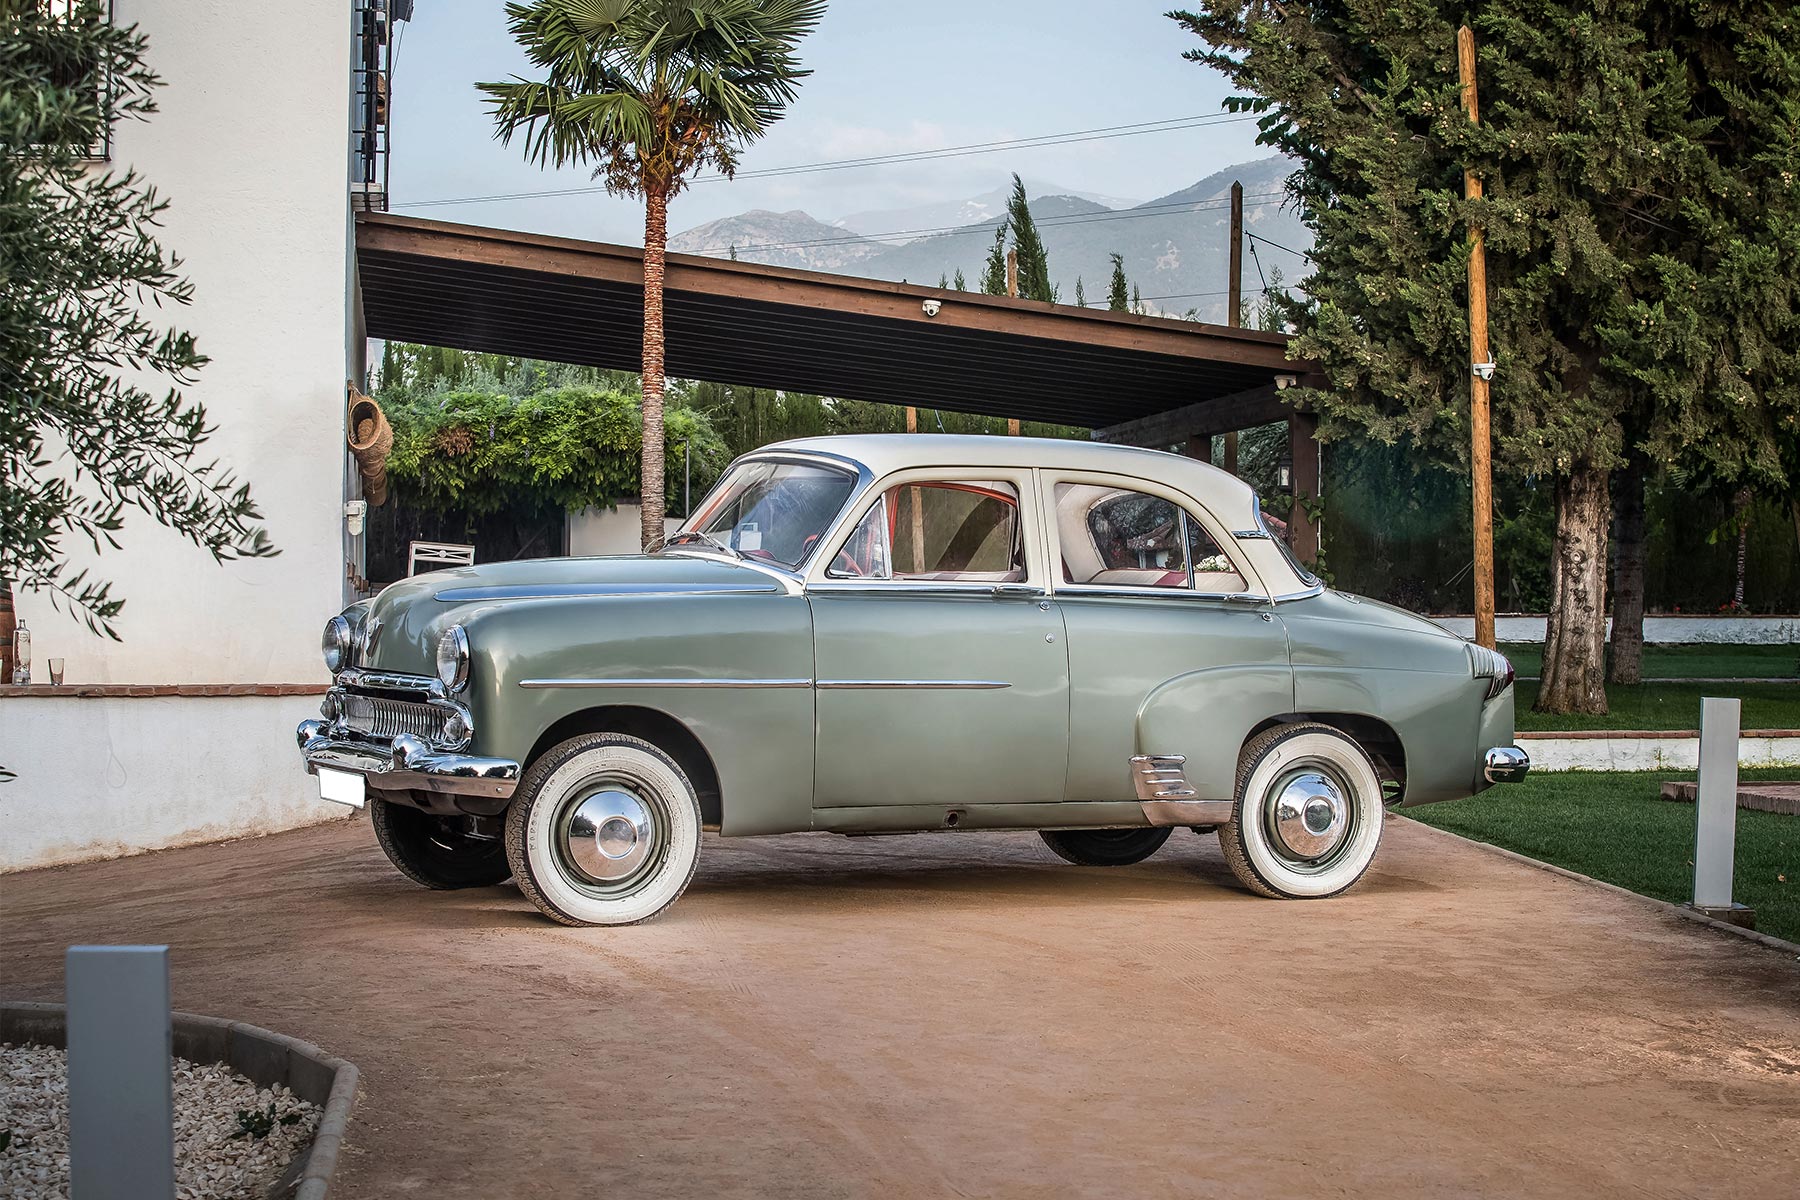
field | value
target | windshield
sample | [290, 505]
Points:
[771, 511]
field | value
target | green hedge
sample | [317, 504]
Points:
[566, 448]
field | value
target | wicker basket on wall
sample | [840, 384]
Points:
[371, 439]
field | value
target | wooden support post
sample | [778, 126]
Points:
[912, 419]
[1234, 299]
[1303, 448]
[1234, 288]
[1481, 441]
[1012, 289]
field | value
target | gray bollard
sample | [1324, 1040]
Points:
[121, 1111]
[1715, 807]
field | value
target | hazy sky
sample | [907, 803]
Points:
[887, 77]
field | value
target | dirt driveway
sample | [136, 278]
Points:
[963, 1015]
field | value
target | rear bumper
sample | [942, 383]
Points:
[405, 763]
[1505, 764]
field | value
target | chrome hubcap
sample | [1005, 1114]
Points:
[608, 835]
[1309, 816]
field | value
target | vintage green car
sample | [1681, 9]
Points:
[890, 634]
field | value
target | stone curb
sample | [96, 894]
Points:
[265, 1057]
[1686, 914]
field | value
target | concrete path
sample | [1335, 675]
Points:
[962, 1015]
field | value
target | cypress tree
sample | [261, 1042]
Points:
[1118, 295]
[1642, 215]
[1034, 260]
[958, 282]
[1080, 296]
[993, 276]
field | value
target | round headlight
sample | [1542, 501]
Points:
[336, 644]
[453, 658]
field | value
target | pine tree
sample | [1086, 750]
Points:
[1118, 294]
[943, 282]
[1080, 295]
[1642, 215]
[1137, 300]
[1034, 260]
[993, 275]
[958, 282]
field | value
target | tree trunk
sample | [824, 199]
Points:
[1626, 649]
[1574, 648]
[650, 463]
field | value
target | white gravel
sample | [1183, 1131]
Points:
[209, 1163]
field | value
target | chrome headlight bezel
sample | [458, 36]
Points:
[453, 658]
[335, 644]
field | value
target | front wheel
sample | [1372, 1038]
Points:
[1308, 813]
[434, 851]
[1104, 847]
[604, 830]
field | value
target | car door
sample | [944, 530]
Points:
[940, 659]
[1171, 644]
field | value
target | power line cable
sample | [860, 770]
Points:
[1102, 133]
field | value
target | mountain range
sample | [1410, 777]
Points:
[1174, 247]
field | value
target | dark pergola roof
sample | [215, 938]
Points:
[732, 322]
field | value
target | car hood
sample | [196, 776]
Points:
[411, 615]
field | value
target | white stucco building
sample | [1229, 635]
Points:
[182, 731]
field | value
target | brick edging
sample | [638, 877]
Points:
[263, 1056]
[96, 691]
[1686, 914]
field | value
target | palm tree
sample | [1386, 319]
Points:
[650, 91]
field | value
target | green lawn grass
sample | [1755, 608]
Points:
[1612, 826]
[1669, 706]
[1686, 662]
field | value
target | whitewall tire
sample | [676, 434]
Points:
[604, 830]
[1308, 815]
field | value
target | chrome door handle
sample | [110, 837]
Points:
[1024, 590]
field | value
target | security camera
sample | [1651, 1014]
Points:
[1284, 382]
[933, 307]
[1483, 370]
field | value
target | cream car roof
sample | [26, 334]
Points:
[1229, 500]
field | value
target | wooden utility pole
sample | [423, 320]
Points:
[1481, 466]
[1234, 299]
[912, 419]
[1012, 289]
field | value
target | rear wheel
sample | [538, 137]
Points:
[604, 830]
[436, 852]
[1308, 814]
[1105, 847]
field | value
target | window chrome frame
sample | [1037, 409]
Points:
[1023, 481]
[1255, 592]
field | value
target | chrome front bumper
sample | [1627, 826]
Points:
[1505, 764]
[406, 763]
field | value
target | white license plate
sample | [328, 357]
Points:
[341, 787]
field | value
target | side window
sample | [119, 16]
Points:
[941, 532]
[1116, 537]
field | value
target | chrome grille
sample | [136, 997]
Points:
[384, 718]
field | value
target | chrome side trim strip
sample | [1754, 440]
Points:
[1186, 812]
[665, 683]
[972, 685]
[584, 591]
[1252, 535]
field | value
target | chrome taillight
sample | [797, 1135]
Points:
[1492, 666]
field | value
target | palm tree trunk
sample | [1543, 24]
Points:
[1625, 660]
[1575, 645]
[650, 463]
